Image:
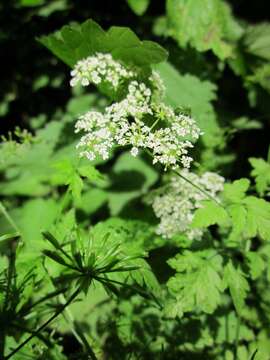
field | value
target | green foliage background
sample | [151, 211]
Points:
[209, 300]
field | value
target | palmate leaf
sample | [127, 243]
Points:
[197, 285]
[75, 42]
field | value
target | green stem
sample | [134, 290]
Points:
[236, 341]
[10, 278]
[77, 331]
[8, 217]
[54, 316]
[206, 193]
[154, 124]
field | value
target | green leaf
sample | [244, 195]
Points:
[197, 285]
[256, 264]
[31, 2]
[238, 214]
[90, 172]
[55, 257]
[76, 186]
[131, 178]
[29, 170]
[34, 217]
[210, 214]
[197, 95]
[227, 329]
[234, 279]
[92, 200]
[261, 76]
[250, 215]
[261, 172]
[245, 123]
[138, 6]
[205, 25]
[236, 191]
[258, 217]
[75, 42]
[48, 236]
[257, 40]
[134, 234]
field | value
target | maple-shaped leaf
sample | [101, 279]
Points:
[197, 284]
[75, 42]
[261, 173]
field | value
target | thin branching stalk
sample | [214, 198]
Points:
[206, 193]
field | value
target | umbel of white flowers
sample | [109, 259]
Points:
[175, 203]
[123, 123]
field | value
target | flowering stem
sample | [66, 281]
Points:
[206, 193]
[154, 124]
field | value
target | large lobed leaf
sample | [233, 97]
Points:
[189, 91]
[197, 284]
[249, 215]
[204, 24]
[75, 42]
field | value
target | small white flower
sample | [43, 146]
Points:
[134, 151]
[175, 203]
[97, 68]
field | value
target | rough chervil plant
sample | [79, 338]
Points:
[175, 203]
[120, 240]
[140, 119]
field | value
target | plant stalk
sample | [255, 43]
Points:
[209, 196]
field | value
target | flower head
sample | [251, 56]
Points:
[175, 203]
[97, 68]
[138, 120]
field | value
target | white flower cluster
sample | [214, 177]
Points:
[158, 85]
[98, 68]
[167, 135]
[175, 204]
